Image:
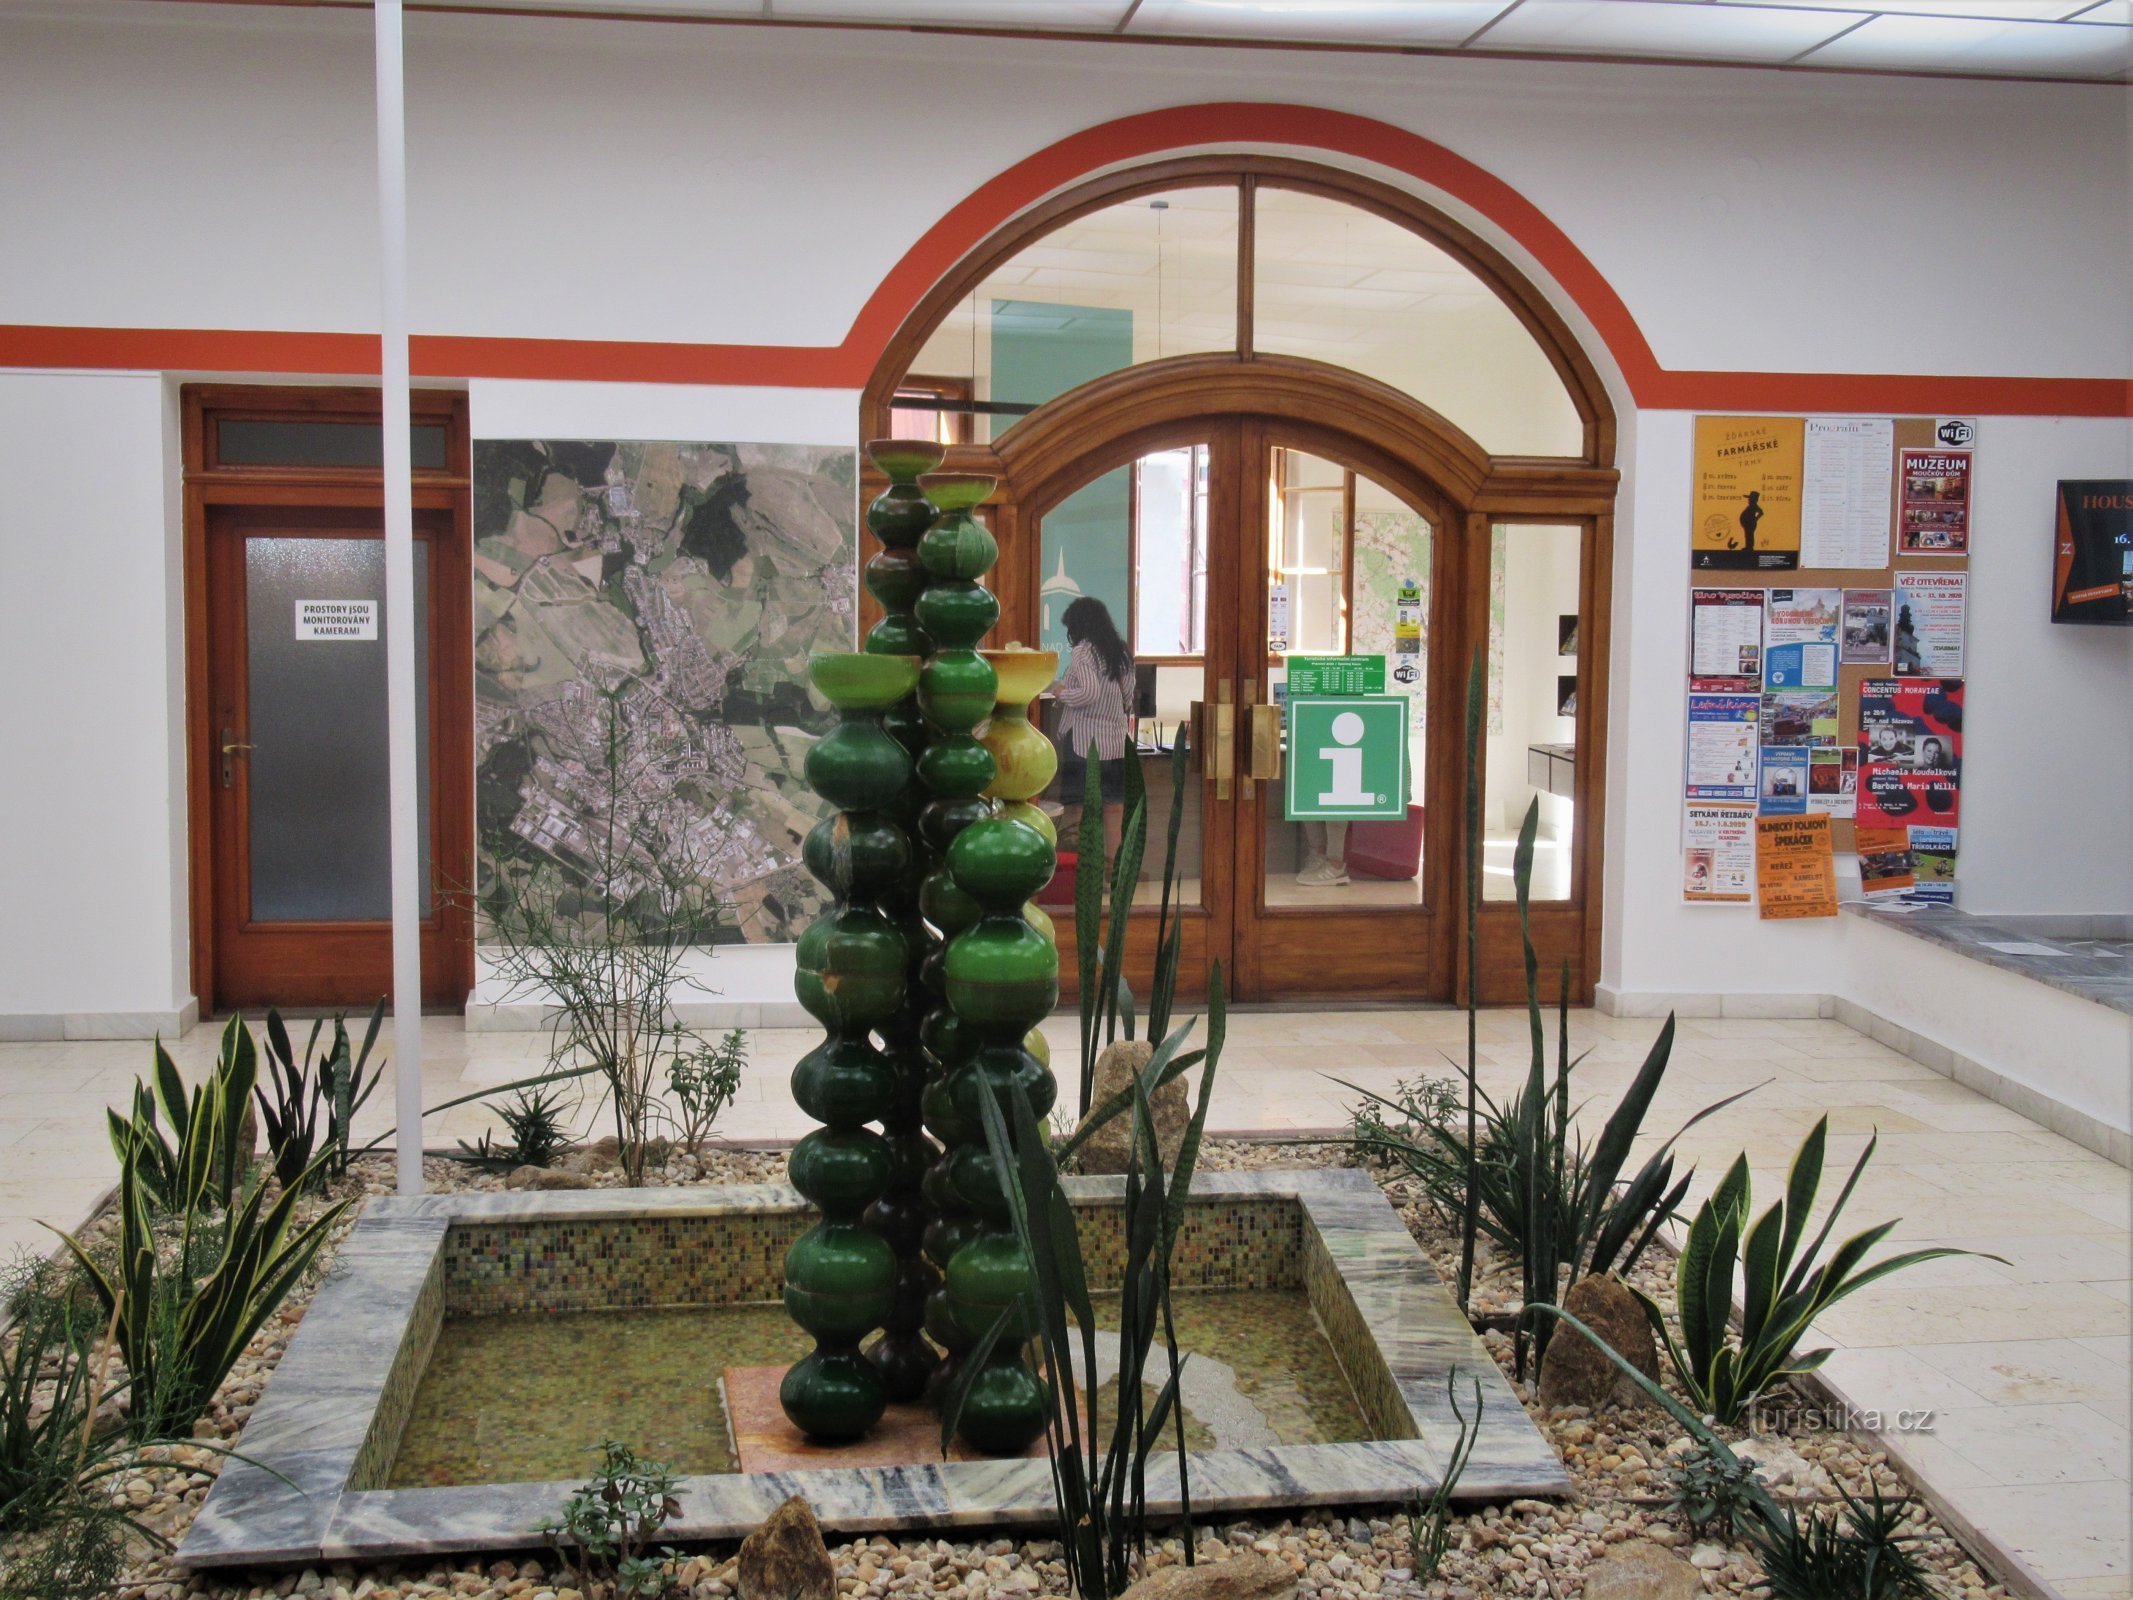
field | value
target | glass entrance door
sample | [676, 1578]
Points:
[1236, 568]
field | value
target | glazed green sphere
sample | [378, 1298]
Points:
[1031, 816]
[1002, 975]
[899, 516]
[955, 690]
[984, 1277]
[1001, 1068]
[896, 578]
[1004, 1408]
[958, 546]
[858, 767]
[955, 767]
[833, 1396]
[941, 820]
[897, 635]
[839, 1278]
[945, 905]
[850, 968]
[957, 615]
[843, 1080]
[974, 1179]
[1000, 863]
[946, 1040]
[943, 1120]
[857, 852]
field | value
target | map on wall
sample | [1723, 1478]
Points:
[685, 585]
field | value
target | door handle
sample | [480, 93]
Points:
[231, 745]
[1214, 739]
[1264, 756]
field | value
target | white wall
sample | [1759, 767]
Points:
[210, 167]
[92, 785]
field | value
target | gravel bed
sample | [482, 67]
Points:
[1616, 1456]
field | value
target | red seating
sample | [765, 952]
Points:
[1060, 891]
[1385, 849]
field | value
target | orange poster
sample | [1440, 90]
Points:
[1795, 867]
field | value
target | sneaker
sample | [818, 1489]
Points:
[1323, 875]
[1312, 863]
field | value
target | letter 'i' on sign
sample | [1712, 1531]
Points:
[1347, 758]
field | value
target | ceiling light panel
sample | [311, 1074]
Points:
[674, 8]
[1417, 22]
[1655, 28]
[1091, 14]
[1969, 44]
[1976, 10]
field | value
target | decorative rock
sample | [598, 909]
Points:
[1709, 1557]
[546, 1178]
[1110, 1148]
[1641, 1570]
[1576, 1371]
[785, 1558]
[1244, 1576]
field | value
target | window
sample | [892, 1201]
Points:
[1325, 279]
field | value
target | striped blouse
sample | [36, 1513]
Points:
[1092, 707]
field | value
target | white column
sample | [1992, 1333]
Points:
[400, 618]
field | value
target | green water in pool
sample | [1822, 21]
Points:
[526, 1398]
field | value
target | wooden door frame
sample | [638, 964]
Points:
[1405, 440]
[208, 484]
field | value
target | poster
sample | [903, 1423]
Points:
[1784, 781]
[1277, 617]
[1746, 516]
[1726, 633]
[2092, 552]
[1844, 509]
[1884, 860]
[1933, 503]
[1718, 854]
[1910, 751]
[1929, 624]
[1800, 638]
[1407, 622]
[1869, 619]
[1721, 759]
[1795, 868]
[1799, 717]
[1932, 866]
[1832, 782]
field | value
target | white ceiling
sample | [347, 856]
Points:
[2080, 39]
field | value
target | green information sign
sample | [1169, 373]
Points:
[1347, 758]
[1319, 675]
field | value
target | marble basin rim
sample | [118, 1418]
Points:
[319, 1445]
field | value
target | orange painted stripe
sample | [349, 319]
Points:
[849, 364]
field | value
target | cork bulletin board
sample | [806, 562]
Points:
[1790, 504]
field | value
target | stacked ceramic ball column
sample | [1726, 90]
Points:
[956, 693]
[852, 965]
[898, 517]
[1002, 981]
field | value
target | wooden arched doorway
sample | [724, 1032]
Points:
[1276, 451]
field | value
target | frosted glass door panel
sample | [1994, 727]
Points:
[316, 772]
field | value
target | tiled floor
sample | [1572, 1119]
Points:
[2005, 1386]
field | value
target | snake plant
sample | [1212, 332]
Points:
[1782, 1289]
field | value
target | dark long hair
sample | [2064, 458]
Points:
[1088, 621]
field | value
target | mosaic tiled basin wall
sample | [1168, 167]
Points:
[320, 1443]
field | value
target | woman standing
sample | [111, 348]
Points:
[1095, 698]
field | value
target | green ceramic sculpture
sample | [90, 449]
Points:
[853, 966]
[933, 950]
[898, 518]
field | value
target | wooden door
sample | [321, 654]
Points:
[1240, 859]
[293, 749]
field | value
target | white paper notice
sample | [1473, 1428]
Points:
[336, 619]
[1844, 504]
[1726, 633]
[1718, 854]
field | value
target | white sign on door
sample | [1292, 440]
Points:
[336, 619]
